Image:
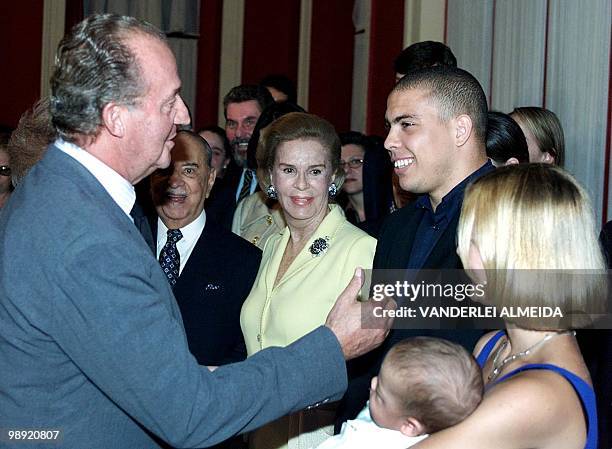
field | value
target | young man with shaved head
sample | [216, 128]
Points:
[436, 118]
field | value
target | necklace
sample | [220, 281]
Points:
[497, 366]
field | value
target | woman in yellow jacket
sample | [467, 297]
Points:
[305, 266]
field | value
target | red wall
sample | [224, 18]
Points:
[74, 14]
[271, 39]
[271, 45]
[209, 57]
[21, 48]
[386, 39]
[331, 61]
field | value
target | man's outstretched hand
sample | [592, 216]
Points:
[354, 323]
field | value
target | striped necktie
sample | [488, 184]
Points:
[246, 185]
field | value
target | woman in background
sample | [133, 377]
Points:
[221, 153]
[367, 192]
[544, 134]
[505, 142]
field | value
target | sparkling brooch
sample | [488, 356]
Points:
[319, 246]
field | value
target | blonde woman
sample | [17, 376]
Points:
[538, 390]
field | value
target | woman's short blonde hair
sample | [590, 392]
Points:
[297, 126]
[531, 224]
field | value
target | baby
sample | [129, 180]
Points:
[424, 385]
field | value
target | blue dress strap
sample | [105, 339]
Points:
[488, 347]
[583, 390]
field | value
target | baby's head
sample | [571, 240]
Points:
[425, 384]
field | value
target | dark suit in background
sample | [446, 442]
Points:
[221, 203]
[214, 283]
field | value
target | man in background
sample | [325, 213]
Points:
[242, 107]
[423, 54]
[211, 270]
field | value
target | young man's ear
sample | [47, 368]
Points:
[113, 119]
[463, 129]
[412, 427]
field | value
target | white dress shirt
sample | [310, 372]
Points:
[191, 234]
[119, 188]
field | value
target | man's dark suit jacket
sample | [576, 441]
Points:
[221, 202]
[393, 251]
[397, 239]
[210, 291]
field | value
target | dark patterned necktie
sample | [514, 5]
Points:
[246, 185]
[169, 258]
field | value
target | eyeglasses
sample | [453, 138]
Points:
[5, 170]
[352, 163]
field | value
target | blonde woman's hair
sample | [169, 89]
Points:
[532, 223]
[546, 128]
